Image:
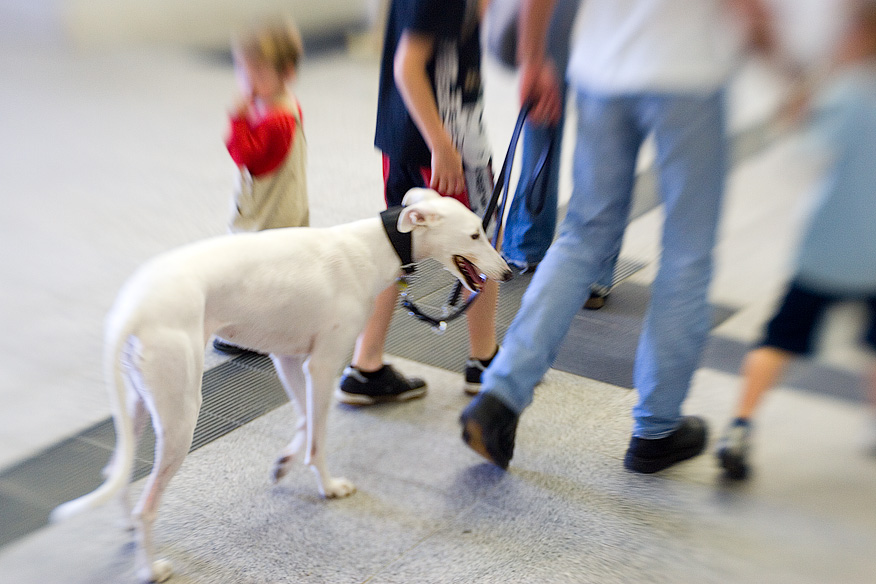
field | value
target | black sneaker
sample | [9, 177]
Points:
[474, 368]
[384, 385]
[732, 450]
[230, 348]
[647, 456]
[489, 428]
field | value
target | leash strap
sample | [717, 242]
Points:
[503, 183]
[495, 210]
[535, 205]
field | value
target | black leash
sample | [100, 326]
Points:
[497, 203]
[504, 181]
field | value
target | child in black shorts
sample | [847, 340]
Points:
[837, 256]
[790, 334]
[430, 130]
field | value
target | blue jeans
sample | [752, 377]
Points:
[689, 131]
[528, 236]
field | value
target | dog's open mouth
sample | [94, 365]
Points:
[474, 280]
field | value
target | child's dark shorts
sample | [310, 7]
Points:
[399, 178]
[793, 327]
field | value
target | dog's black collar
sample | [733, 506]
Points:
[401, 242]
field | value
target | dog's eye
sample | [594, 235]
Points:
[475, 235]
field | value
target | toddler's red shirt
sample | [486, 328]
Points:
[261, 146]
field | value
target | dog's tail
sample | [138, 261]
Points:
[119, 353]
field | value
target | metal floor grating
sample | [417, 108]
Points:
[234, 392]
[415, 340]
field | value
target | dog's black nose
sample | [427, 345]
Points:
[507, 275]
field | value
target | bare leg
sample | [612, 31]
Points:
[482, 322]
[368, 354]
[762, 370]
[370, 381]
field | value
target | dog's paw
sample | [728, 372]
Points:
[281, 467]
[338, 488]
[287, 457]
[160, 571]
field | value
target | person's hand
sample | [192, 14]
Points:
[448, 177]
[758, 22]
[797, 105]
[540, 86]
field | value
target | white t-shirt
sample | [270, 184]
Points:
[634, 46]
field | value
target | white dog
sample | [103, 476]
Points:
[301, 294]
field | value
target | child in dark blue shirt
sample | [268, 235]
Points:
[431, 132]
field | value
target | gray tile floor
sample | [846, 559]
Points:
[110, 158]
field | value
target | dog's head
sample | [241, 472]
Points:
[442, 228]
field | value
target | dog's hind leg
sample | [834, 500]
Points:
[320, 369]
[139, 417]
[290, 370]
[171, 368]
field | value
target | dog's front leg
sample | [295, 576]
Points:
[290, 369]
[320, 370]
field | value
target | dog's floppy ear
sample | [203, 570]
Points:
[417, 195]
[419, 214]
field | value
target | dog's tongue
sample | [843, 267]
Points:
[472, 271]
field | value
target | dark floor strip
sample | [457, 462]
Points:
[601, 344]
[726, 355]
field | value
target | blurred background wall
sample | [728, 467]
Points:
[193, 23]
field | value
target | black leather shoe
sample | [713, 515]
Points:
[647, 456]
[595, 301]
[489, 428]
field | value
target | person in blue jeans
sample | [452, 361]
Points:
[639, 68]
[528, 234]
